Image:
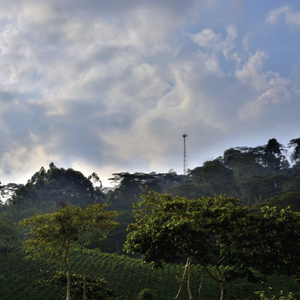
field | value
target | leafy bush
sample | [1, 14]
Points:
[145, 294]
[262, 296]
[96, 287]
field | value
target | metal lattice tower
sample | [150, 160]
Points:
[184, 155]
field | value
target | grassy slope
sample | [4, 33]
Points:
[127, 276]
[18, 279]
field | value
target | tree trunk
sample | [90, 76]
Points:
[222, 290]
[83, 272]
[189, 279]
[201, 284]
[68, 276]
[222, 281]
[181, 281]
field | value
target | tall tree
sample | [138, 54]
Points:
[213, 178]
[244, 161]
[215, 231]
[273, 156]
[52, 234]
[257, 188]
[168, 227]
[47, 188]
[129, 187]
[93, 223]
[55, 234]
[296, 152]
[8, 235]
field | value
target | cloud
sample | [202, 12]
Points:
[110, 86]
[209, 40]
[289, 16]
[267, 87]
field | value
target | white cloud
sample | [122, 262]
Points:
[114, 84]
[290, 17]
[249, 73]
[211, 44]
[268, 88]
[208, 39]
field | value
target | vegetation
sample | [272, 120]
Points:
[127, 277]
[215, 232]
[235, 244]
[55, 234]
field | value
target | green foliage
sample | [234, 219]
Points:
[245, 161]
[116, 239]
[46, 189]
[126, 276]
[54, 234]
[146, 294]
[18, 278]
[262, 295]
[189, 190]
[252, 174]
[261, 187]
[291, 199]
[296, 144]
[96, 287]
[129, 187]
[9, 240]
[213, 178]
[273, 157]
[216, 231]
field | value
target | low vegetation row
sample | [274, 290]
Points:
[127, 277]
[225, 240]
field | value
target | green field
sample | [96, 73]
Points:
[127, 276]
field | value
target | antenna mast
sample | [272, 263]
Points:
[184, 155]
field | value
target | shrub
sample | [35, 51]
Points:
[145, 294]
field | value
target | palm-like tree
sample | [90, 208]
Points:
[296, 152]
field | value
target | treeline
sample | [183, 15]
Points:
[255, 175]
[252, 174]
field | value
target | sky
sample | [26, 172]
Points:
[110, 86]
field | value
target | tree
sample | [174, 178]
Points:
[8, 190]
[8, 235]
[129, 188]
[213, 178]
[291, 199]
[96, 286]
[258, 188]
[219, 178]
[244, 161]
[92, 223]
[215, 231]
[54, 234]
[273, 157]
[279, 234]
[168, 227]
[47, 188]
[296, 152]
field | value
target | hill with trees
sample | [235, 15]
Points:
[257, 176]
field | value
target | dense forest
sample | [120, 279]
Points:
[256, 176]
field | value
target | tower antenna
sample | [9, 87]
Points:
[184, 155]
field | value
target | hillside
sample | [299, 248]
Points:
[127, 276]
